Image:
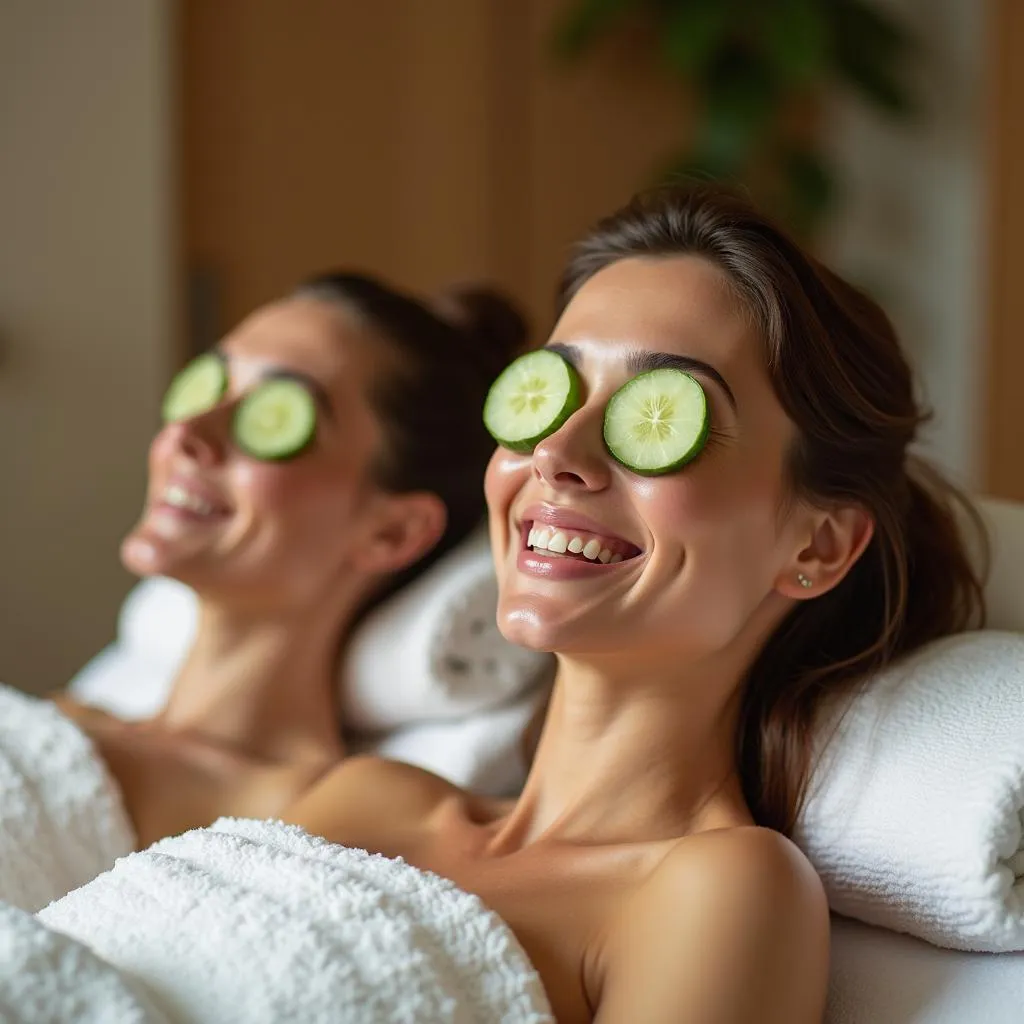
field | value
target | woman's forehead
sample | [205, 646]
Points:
[307, 335]
[680, 304]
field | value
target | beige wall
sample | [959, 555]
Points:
[84, 312]
[913, 225]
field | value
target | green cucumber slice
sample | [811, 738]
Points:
[196, 388]
[531, 399]
[276, 420]
[657, 422]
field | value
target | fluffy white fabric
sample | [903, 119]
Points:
[258, 922]
[484, 752]
[48, 978]
[1004, 588]
[878, 977]
[914, 817]
[433, 651]
[61, 817]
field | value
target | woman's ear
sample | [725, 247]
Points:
[405, 527]
[835, 540]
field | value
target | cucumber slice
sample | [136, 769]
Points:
[196, 388]
[276, 420]
[531, 399]
[657, 422]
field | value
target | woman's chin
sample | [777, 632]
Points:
[534, 627]
[143, 554]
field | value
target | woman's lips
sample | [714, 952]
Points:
[570, 522]
[188, 499]
[577, 554]
[562, 567]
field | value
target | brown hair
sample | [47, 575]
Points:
[838, 370]
[430, 401]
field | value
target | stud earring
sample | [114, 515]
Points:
[805, 581]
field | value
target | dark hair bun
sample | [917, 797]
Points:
[493, 323]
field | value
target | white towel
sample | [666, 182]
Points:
[915, 817]
[484, 752]
[48, 978]
[258, 922]
[434, 651]
[878, 977]
[62, 821]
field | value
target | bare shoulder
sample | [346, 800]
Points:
[365, 800]
[760, 869]
[732, 925]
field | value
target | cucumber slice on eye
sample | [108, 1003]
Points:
[196, 388]
[531, 399]
[276, 420]
[657, 422]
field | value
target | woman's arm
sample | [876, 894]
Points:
[732, 928]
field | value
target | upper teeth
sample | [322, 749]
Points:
[177, 496]
[544, 539]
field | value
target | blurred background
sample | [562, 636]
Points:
[167, 166]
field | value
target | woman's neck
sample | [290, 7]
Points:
[629, 754]
[262, 685]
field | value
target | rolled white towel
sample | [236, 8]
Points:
[915, 815]
[62, 821]
[484, 752]
[434, 651]
[258, 922]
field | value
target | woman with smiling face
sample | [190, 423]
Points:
[700, 616]
[288, 539]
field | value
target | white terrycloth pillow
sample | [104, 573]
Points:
[915, 815]
[1004, 589]
[431, 652]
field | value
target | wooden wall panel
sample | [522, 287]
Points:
[1002, 406]
[430, 142]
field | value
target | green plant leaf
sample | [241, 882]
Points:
[744, 61]
[740, 101]
[871, 51]
[584, 23]
[692, 31]
[796, 37]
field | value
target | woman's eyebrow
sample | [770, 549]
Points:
[314, 387]
[570, 353]
[641, 360]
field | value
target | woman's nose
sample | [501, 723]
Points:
[574, 456]
[205, 438]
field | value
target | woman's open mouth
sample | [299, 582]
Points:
[563, 550]
[186, 501]
[578, 544]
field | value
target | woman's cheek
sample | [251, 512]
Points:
[266, 488]
[301, 495]
[162, 447]
[506, 473]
